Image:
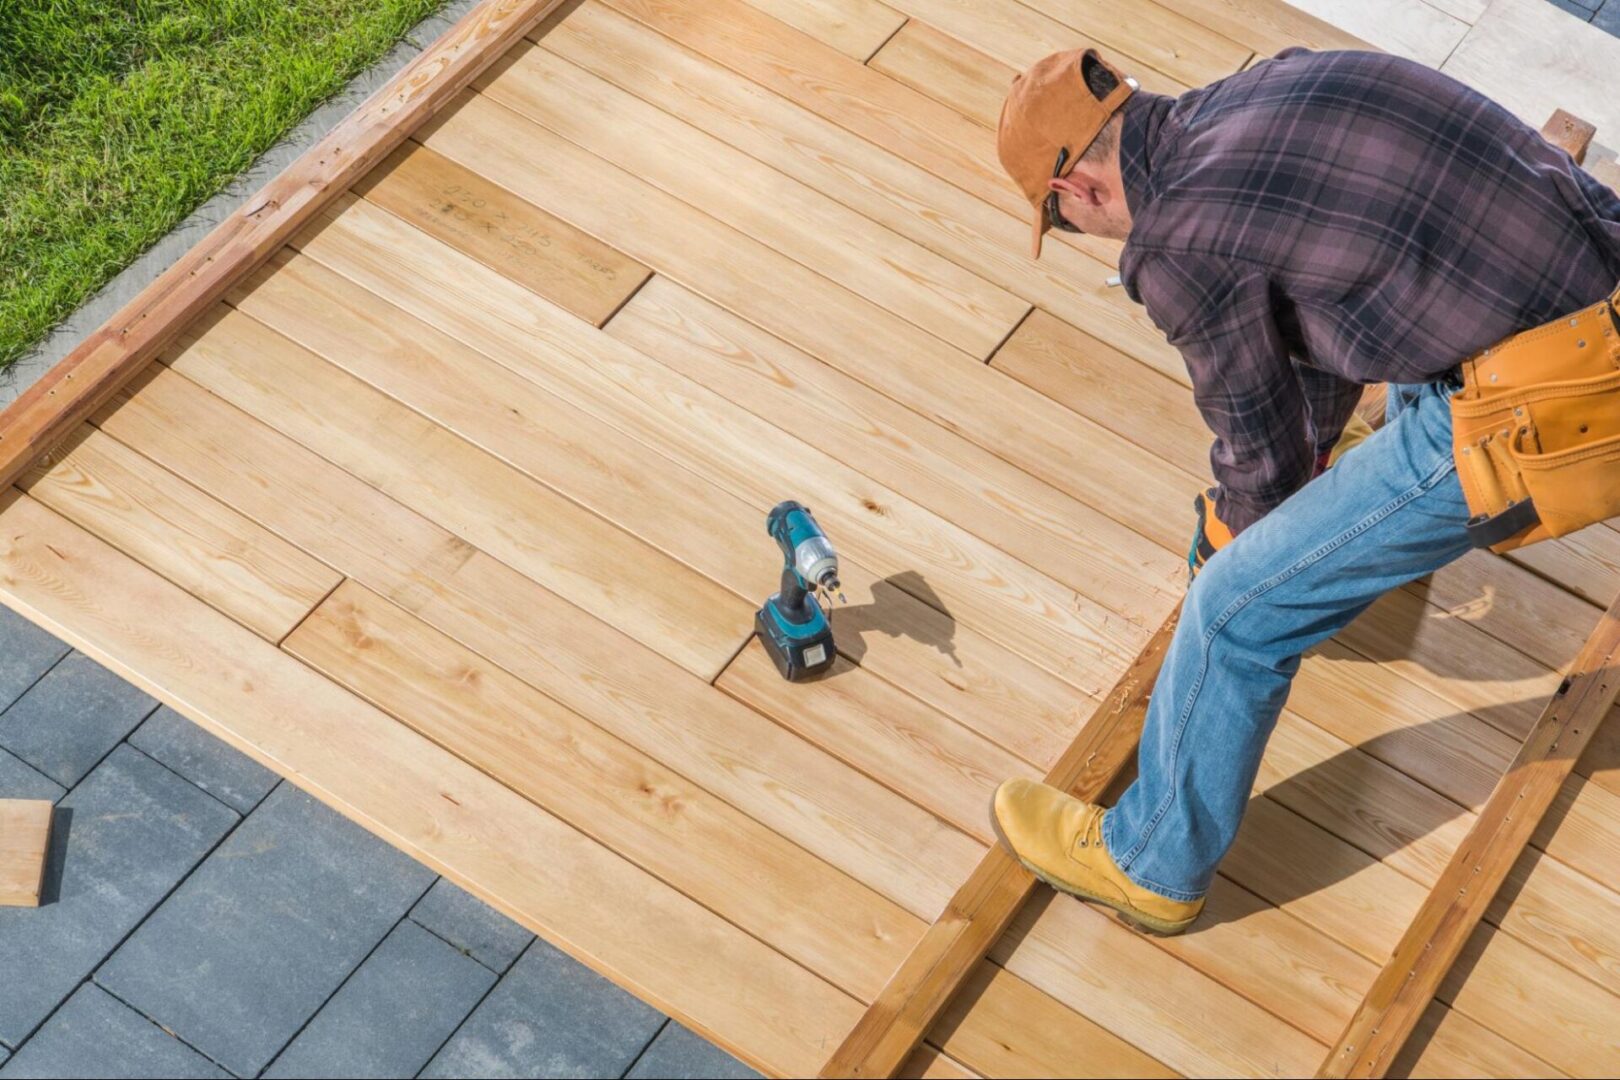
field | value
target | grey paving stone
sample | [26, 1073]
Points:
[678, 1053]
[254, 941]
[391, 1016]
[20, 780]
[95, 1034]
[123, 838]
[218, 768]
[1608, 17]
[471, 925]
[1589, 5]
[69, 719]
[1575, 8]
[26, 653]
[550, 1016]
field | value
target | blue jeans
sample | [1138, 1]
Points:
[1390, 511]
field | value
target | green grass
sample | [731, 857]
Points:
[117, 119]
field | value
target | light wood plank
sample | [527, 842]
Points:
[804, 71]
[626, 688]
[947, 385]
[855, 28]
[669, 950]
[1140, 404]
[1003, 1026]
[486, 502]
[1142, 993]
[1562, 913]
[883, 181]
[1446, 1044]
[985, 904]
[893, 738]
[164, 523]
[1453, 659]
[1408, 28]
[947, 70]
[1165, 60]
[1400, 723]
[1323, 881]
[951, 476]
[622, 798]
[87, 377]
[895, 540]
[573, 270]
[1521, 995]
[928, 1063]
[1482, 861]
[25, 842]
[927, 290]
[1533, 59]
[1586, 563]
[1269, 26]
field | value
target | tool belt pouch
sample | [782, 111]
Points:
[1536, 430]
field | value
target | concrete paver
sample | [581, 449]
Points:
[212, 764]
[71, 718]
[550, 1016]
[252, 944]
[130, 832]
[20, 780]
[26, 653]
[95, 1034]
[678, 1053]
[471, 925]
[394, 1012]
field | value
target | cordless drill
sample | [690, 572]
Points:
[792, 625]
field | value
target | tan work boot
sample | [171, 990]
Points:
[1058, 838]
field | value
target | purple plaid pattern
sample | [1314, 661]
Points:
[1326, 220]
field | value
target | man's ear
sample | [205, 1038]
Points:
[1083, 184]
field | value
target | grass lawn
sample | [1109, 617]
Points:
[119, 117]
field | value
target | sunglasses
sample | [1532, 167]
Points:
[1054, 216]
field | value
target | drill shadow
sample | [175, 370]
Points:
[903, 605]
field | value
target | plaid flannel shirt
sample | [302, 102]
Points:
[1326, 220]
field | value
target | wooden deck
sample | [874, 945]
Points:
[453, 513]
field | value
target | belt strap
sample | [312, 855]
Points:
[1487, 531]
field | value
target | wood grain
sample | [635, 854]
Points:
[929, 291]
[951, 72]
[988, 901]
[205, 547]
[626, 688]
[802, 70]
[668, 949]
[1453, 908]
[743, 461]
[570, 268]
[882, 180]
[854, 27]
[88, 376]
[25, 840]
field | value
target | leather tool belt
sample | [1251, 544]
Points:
[1536, 430]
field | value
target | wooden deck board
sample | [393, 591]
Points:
[539, 376]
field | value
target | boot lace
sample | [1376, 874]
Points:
[1091, 833]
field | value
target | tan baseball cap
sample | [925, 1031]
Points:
[1049, 110]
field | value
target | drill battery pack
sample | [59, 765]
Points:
[800, 650]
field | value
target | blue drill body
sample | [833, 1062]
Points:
[792, 625]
